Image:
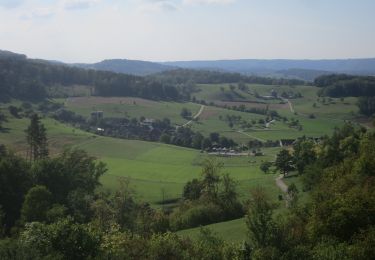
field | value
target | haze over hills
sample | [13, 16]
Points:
[281, 67]
[299, 69]
[135, 67]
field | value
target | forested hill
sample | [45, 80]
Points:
[33, 79]
[134, 67]
[179, 76]
[25, 78]
[11, 55]
[342, 85]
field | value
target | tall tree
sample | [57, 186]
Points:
[260, 224]
[37, 139]
[304, 153]
[284, 161]
[211, 178]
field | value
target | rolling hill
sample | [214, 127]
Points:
[134, 67]
[284, 67]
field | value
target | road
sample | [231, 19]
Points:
[195, 116]
[281, 184]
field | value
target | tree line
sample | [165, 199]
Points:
[342, 85]
[36, 79]
[32, 79]
[183, 76]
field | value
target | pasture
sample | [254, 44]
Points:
[130, 107]
[152, 168]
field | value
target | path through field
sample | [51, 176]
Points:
[290, 106]
[195, 116]
[281, 184]
[251, 136]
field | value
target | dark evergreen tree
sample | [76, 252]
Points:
[37, 139]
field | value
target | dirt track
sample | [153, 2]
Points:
[281, 184]
[195, 116]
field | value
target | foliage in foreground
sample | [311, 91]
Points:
[50, 210]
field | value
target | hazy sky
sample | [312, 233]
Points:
[158, 30]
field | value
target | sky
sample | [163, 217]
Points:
[170, 30]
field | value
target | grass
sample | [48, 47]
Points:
[155, 168]
[130, 107]
[231, 231]
[152, 167]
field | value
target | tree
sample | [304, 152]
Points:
[260, 225]
[38, 201]
[15, 181]
[284, 161]
[210, 173]
[304, 154]
[185, 113]
[265, 166]
[193, 189]
[197, 141]
[215, 137]
[72, 240]
[71, 171]
[229, 196]
[366, 105]
[206, 144]
[37, 139]
[292, 195]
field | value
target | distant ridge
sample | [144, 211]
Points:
[11, 55]
[304, 69]
[134, 67]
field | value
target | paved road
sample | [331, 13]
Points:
[195, 116]
[281, 184]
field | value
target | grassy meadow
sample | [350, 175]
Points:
[152, 168]
[130, 107]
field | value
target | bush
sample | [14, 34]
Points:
[196, 215]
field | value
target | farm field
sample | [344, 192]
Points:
[130, 107]
[158, 171]
[328, 113]
[151, 167]
[212, 119]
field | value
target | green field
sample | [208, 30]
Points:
[232, 231]
[151, 167]
[327, 115]
[157, 170]
[130, 107]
